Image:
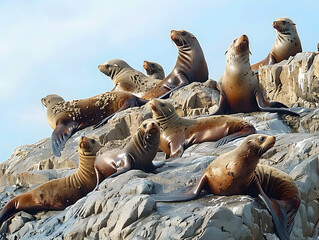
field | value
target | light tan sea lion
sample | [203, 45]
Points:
[190, 66]
[237, 172]
[67, 117]
[239, 86]
[154, 70]
[137, 154]
[57, 194]
[126, 78]
[180, 133]
[286, 44]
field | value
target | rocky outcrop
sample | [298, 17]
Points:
[121, 207]
[294, 82]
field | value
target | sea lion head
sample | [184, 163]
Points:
[258, 144]
[182, 38]
[88, 146]
[284, 25]
[239, 47]
[151, 67]
[161, 108]
[150, 126]
[51, 100]
[113, 67]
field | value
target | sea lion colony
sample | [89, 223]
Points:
[239, 93]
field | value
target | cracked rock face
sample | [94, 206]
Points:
[121, 207]
[294, 81]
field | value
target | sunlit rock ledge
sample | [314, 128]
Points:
[121, 208]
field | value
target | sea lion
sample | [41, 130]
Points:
[67, 117]
[126, 78]
[286, 44]
[180, 133]
[239, 86]
[190, 66]
[237, 172]
[154, 70]
[57, 194]
[137, 154]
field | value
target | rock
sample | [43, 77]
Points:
[121, 207]
[294, 81]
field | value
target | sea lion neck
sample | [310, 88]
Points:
[84, 172]
[237, 64]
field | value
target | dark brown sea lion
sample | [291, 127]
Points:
[239, 90]
[137, 154]
[126, 78]
[190, 66]
[154, 70]
[67, 117]
[286, 44]
[237, 172]
[180, 133]
[57, 194]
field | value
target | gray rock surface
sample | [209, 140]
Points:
[294, 81]
[121, 207]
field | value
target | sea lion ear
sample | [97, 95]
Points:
[250, 53]
[226, 52]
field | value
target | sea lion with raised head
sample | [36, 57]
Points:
[239, 86]
[60, 193]
[138, 153]
[179, 133]
[154, 70]
[126, 78]
[190, 66]
[286, 44]
[237, 172]
[67, 117]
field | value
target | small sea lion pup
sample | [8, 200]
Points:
[154, 70]
[286, 44]
[180, 133]
[237, 172]
[190, 66]
[137, 154]
[126, 78]
[67, 117]
[60, 193]
[239, 86]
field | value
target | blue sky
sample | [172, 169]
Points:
[54, 47]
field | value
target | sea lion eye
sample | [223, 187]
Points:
[92, 141]
[284, 22]
[145, 125]
[152, 65]
[183, 33]
[261, 139]
[162, 104]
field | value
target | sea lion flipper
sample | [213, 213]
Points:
[223, 105]
[104, 121]
[245, 131]
[165, 95]
[179, 195]
[277, 105]
[60, 135]
[264, 108]
[155, 165]
[124, 166]
[279, 216]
